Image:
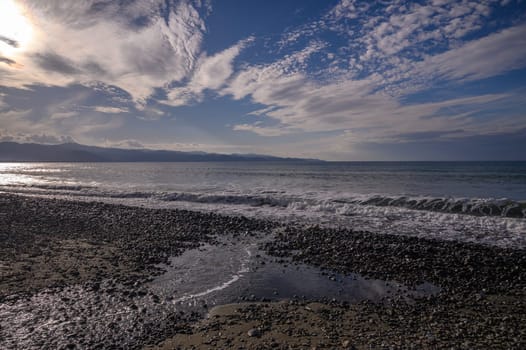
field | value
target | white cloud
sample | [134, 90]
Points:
[295, 102]
[211, 72]
[401, 31]
[81, 42]
[286, 73]
[110, 110]
[53, 120]
[397, 123]
[43, 138]
[89, 126]
[349, 9]
[127, 144]
[151, 114]
[482, 58]
[62, 115]
[261, 130]
[261, 111]
[59, 112]
[187, 146]
[290, 38]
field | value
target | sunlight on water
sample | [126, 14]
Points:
[13, 174]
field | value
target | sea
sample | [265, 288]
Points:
[481, 202]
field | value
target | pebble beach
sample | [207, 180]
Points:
[78, 275]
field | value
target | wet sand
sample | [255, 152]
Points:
[54, 253]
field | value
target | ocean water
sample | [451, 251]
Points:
[482, 202]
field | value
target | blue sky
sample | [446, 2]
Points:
[338, 79]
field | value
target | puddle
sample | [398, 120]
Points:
[204, 272]
[238, 271]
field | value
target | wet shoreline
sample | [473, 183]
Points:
[57, 252]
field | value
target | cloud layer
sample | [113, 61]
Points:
[133, 45]
[355, 73]
[398, 50]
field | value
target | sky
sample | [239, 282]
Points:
[332, 79]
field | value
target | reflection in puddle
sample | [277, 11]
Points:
[238, 271]
[204, 271]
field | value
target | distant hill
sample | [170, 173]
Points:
[73, 152]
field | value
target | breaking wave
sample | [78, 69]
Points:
[311, 202]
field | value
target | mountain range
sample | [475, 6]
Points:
[74, 152]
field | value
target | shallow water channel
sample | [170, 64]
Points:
[239, 271]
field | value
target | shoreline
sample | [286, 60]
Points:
[54, 245]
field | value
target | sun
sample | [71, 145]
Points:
[15, 28]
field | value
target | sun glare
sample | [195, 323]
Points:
[15, 28]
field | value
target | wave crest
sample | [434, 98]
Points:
[314, 202]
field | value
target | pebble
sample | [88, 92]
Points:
[253, 332]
